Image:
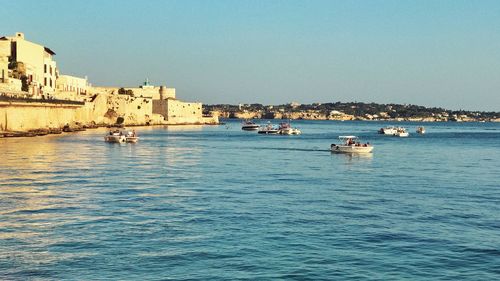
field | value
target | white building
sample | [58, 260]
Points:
[71, 87]
[28, 62]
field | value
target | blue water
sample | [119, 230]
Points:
[218, 203]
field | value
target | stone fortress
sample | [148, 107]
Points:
[34, 95]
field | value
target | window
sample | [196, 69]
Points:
[51, 82]
[45, 81]
[44, 68]
[51, 70]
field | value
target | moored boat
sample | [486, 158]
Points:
[249, 126]
[401, 132]
[268, 129]
[120, 136]
[388, 130]
[115, 137]
[351, 144]
[421, 130]
[286, 129]
[131, 137]
[394, 131]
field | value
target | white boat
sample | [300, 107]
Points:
[120, 136]
[401, 132]
[131, 137]
[286, 129]
[351, 144]
[388, 130]
[269, 129]
[116, 136]
[394, 131]
[249, 126]
[421, 130]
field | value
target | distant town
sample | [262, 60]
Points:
[350, 111]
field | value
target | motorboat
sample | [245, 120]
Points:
[131, 137]
[421, 130]
[394, 131]
[401, 132]
[351, 144]
[115, 136]
[388, 130]
[268, 129]
[286, 129]
[121, 136]
[249, 126]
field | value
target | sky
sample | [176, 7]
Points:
[433, 53]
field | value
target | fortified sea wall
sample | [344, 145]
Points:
[104, 109]
[22, 116]
[177, 112]
[18, 114]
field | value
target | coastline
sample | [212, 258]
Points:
[423, 120]
[47, 132]
[28, 117]
[350, 111]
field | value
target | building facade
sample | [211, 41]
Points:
[71, 87]
[31, 63]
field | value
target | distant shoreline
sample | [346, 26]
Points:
[350, 111]
[359, 120]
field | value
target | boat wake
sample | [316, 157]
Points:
[291, 149]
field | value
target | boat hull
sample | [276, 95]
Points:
[387, 131]
[268, 132]
[289, 131]
[115, 139]
[351, 149]
[132, 139]
[250, 128]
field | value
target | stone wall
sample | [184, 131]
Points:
[160, 107]
[184, 112]
[106, 108]
[103, 110]
[145, 92]
[179, 112]
[20, 116]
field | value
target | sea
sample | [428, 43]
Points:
[219, 203]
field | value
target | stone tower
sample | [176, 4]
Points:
[163, 92]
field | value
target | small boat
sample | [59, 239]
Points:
[351, 144]
[388, 130]
[116, 136]
[119, 136]
[421, 130]
[131, 137]
[269, 129]
[401, 132]
[286, 129]
[249, 126]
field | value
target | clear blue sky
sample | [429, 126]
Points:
[432, 53]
